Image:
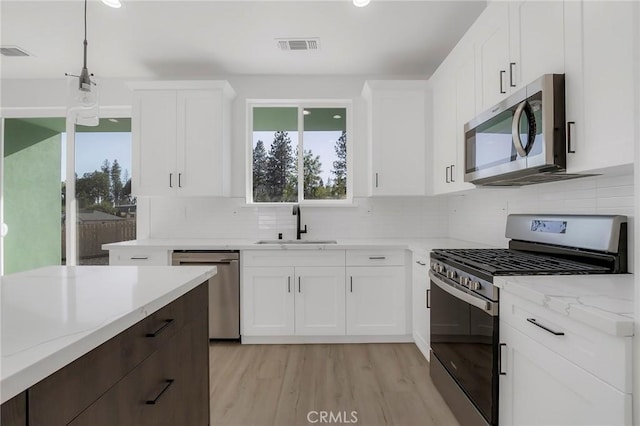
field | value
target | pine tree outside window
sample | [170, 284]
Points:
[299, 153]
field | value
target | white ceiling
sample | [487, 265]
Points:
[201, 39]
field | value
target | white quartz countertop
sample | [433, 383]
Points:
[54, 315]
[419, 244]
[604, 302]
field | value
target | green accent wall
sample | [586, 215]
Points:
[32, 205]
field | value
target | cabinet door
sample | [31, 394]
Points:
[268, 301]
[599, 78]
[421, 314]
[376, 300]
[399, 142]
[201, 153]
[444, 131]
[541, 387]
[492, 54]
[153, 130]
[465, 111]
[319, 301]
[536, 37]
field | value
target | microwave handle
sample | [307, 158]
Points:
[515, 128]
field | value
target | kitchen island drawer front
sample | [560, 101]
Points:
[375, 257]
[171, 387]
[603, 355]
[293, 257]
[59, 398]
[145, 257]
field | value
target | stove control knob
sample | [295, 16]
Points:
[440, 269]
[452, 275]
[434, 267]
[464, 281]
[474, 285]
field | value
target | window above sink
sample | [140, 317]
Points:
[300, 152]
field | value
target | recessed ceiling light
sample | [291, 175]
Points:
[114, 120]
[305, 112]
[337, 116]
[112, 3]
[358, 3]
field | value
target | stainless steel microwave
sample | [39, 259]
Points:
[521, 140]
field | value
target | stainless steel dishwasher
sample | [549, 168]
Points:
[224, 289]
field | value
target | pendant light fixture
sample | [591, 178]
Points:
[83, 94]
[358, 3]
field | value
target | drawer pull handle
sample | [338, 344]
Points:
[428, 299]
[535, 322]
[166, 386]
[160, 329]
[377, 257]
[421, 263]
[139, 258]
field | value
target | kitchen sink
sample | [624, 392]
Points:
[296, 242]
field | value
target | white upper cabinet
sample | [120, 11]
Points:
[599, 84]
[492, 54]
[517, 42]
[181, 138]
[454, 104]
[444, 131]
[397, 117]
[536, 35]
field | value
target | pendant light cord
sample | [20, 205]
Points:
[85, 34]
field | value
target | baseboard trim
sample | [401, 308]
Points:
[270, 340]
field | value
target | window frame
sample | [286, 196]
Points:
[301, 105]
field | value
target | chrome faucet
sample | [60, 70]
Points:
[296, 212]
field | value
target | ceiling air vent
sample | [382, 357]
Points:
[12, 51]
[293, 44]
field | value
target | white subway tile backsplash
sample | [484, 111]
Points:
[400, 217]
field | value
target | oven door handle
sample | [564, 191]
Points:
[489, 307]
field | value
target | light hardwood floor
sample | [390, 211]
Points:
[385, 384]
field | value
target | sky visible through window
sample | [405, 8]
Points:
[93, 148]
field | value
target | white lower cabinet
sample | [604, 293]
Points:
[293, 293]
[420, 297]
[324, 293]
[541, 387]
[319, 301]
[287, 301]
[139, 257]
[577, 376]
[376, 300]
[267, 308]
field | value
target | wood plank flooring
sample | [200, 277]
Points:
[279, 385]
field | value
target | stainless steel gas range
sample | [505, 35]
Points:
[465, 349]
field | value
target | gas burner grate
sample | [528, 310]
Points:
[513, 262]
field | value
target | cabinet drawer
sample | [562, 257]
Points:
[63, 395]
[375, 257]
[139, 257]
[175, 378]
[605, 356]
[293, 257]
